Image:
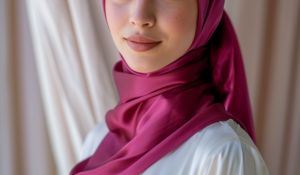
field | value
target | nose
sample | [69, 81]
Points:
[143, 14]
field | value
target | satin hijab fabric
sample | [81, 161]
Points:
[160, 110]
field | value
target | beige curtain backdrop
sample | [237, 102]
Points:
[269, 33]
[24, 146]
[55, 80]
[74, 71]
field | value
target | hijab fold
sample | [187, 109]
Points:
[160, 110]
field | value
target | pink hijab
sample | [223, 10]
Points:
[159, 111]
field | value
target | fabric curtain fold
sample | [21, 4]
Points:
[74, 76]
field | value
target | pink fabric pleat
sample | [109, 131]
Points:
[160, 110]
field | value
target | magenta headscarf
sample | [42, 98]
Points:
[159, 111]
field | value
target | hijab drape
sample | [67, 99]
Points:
[160, 110]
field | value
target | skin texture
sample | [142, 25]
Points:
[171, 22]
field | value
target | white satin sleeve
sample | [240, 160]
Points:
[92, 140]
[234, 157]
[222, 148]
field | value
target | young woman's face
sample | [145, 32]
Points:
[150, 34]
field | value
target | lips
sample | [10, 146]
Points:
[141, 43]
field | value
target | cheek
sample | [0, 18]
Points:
[116, 18]
[180, 25]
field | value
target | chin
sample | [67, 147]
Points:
[144, 68]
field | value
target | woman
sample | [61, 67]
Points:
[184, 105]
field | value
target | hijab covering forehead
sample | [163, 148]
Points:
[158, 111]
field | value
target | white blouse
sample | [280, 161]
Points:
[222, 148]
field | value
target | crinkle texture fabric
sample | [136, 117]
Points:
[160, 110]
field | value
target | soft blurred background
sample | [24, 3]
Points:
[55, 80]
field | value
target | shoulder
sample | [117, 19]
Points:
[222, 133]
[93, 139]
[228, 150]
[222, 148]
